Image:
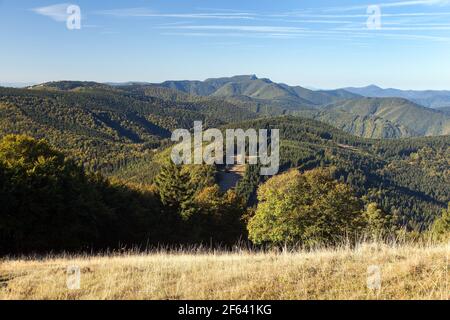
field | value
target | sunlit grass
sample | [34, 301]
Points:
[407, 272]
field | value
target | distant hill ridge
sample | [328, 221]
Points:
[261, 89]
[400, 114]
[348, 109]
[426, 98]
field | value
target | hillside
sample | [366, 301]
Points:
[428, 98]
[259, 90]
[101, 126]
[70, 86]
[120, 130]
[253, 97]
[445, 110]
[387, 171]
[368, 126]
[410, 118]
[383, 117]
[407, 176]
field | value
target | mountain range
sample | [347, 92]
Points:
[369, 112]
[385, 118]
[427, 98]
[263, 91]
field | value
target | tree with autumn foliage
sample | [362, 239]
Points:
[305, 208]
[218, 216]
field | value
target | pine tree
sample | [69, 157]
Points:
[175, 189]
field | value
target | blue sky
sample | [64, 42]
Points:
[320, 44]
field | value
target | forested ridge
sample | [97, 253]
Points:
[100, 178]
[407, 177]
[105, 128]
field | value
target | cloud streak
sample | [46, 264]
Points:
[264, 29]
[144, 12]
[397, 4]
[57, 12]
[321, 22]
[292, 33]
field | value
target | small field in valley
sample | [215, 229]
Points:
[370, 271]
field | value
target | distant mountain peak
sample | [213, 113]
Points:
[245, 77]
[373, 86]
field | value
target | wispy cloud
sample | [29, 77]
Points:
[350, 16]
[416, 37]
[144, 12]
[407, 28]
[353, 37]
[396, 4]
[263, 29]
[339, 22]
[216, 31]
[416, 3]
[57, 12]
[232, 34]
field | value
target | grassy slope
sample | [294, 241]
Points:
[407, 272]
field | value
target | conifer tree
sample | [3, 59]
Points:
[175, 189]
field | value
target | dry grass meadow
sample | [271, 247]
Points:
[370, 271]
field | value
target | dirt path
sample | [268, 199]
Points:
[229, 178]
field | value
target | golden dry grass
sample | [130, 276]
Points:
[407, 272]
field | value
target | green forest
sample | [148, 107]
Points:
[85, 166]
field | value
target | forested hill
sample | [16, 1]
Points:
[118, 130]
[261, 91]
[381, 117]
[106, 127]
[418, 120]
[428, 98]
[124, 132]
[408, 177]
